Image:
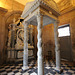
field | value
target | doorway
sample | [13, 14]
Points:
[65, 42]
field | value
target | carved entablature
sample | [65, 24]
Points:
[47, 8]
[48, 5]
[51, 3]
[66, 4]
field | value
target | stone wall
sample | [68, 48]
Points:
[69, 18]
[48, 33]
[11, 5]
[6, 17]
[2, 33]
[48, 40]
[67, 9]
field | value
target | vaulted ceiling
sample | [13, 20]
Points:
[25, 1]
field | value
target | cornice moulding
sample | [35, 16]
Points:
[3, 10]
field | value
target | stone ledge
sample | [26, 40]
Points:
[3, 10]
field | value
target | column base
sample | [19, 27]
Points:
[25, 67]
[58, 70]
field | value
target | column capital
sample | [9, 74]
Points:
[25, 22]
[56, 21]
[38, 14]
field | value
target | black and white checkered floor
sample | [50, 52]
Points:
[16, 69]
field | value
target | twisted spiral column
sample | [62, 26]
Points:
[39, 45]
